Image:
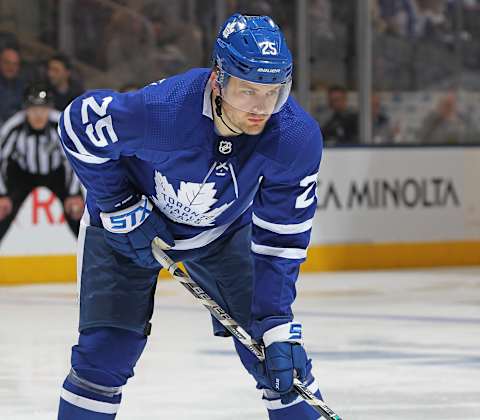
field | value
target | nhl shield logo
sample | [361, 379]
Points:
[225, 147]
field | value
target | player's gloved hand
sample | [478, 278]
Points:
[131, 230]
[285, 358]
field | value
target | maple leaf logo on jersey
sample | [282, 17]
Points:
[191, 204]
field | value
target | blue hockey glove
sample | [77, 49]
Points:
[130, 232]
[285, 358]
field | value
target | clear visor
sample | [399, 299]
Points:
[255, 98]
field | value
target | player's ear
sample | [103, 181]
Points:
[214, 82]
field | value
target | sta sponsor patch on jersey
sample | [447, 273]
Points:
[193, 203]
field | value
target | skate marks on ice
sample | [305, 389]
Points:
[386, 345]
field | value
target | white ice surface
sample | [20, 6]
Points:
[386, 345]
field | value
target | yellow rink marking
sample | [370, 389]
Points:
[62, 268]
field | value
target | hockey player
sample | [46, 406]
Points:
[221, 165]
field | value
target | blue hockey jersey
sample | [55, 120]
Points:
[160, 141]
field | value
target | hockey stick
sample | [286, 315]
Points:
[234, 328]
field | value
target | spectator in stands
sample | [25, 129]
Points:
[130, 53]
[178, 41]
[321, 19]
[446, 125]
[341, 127]
[12, 84]
[62, 86]
[8, 40]
[415, 18]
[432, 20]
[31, 156]
[399, 17]
[90, 19]
[383, 131]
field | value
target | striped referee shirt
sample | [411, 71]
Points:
[35, 152]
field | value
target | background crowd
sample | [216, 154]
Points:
[426, 57]
[425, 66]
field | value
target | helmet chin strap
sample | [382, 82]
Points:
[218, 111]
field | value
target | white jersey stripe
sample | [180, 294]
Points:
[3, 187]
[86, 158]
[204, 238]
[71, 134]
[32, 154]
[13, 121]
[83, 154]
[21, 150]
[290, 253]
[200, 240]
[44, 155]
[9, 145]
[288, 229]
[89, 404]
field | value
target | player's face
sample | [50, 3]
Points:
[249, 105]
[37, 116]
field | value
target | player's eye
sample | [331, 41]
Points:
[248, 92]
[273, 92]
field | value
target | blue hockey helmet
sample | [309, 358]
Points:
[253, 49]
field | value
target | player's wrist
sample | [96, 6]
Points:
[119, 202]
[129, 218]
[290, 332]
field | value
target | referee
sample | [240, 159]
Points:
[31, 157]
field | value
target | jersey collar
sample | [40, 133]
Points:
[207, 105]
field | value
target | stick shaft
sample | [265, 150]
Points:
[234, 328]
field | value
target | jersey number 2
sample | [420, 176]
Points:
[97, 135]
[302, 200]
